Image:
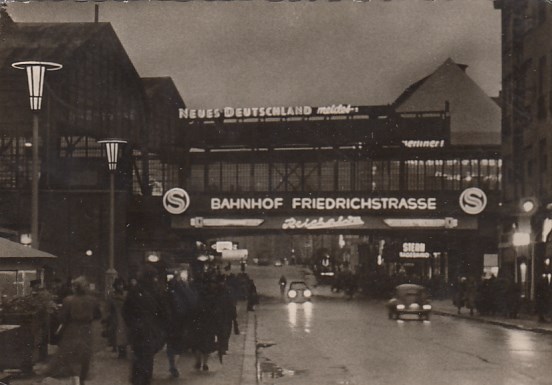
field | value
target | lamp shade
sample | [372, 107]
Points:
[112, 150]
[35, 78]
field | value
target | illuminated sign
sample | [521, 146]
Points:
[322, 223]
[265, 112]
[326, 203]
[473, 200]
[176, 201]
[414, 250]
[423, 143]
[447, 223]
[222, 222]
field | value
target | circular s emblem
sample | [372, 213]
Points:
[473, 200]
[176, 201]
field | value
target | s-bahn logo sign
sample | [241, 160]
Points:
[473, 200]
[176, 201]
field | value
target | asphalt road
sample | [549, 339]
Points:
[336, 341]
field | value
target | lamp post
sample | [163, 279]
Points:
[112, 150]
[35, 79]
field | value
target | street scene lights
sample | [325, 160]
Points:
[112, 147]
[35, 79]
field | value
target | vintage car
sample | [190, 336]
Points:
[409, 299]
[298, 291]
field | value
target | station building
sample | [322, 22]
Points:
[412, 186]
[409, 187]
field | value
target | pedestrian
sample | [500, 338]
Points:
[74, 352]
[44, 307]
[116, 326]
[206, 324]
[470, 294]
[252, 296]
[228, 315]
[182, 303]
[145, 312]
[460, 294]
[542, 298]
[282, 282]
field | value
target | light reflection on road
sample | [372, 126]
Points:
[300, 315]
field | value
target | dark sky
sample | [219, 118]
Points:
[262, 53]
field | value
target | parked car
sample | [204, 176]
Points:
[409, 299]
[298, 291]
[278, 263]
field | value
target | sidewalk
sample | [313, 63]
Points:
[523, 322]
[238, 367]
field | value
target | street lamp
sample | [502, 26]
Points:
[112, 147]
[35, 79]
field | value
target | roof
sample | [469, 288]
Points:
[475, 118]
[162, 88]
[13, 250]
[56, 42]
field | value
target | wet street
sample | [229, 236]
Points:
[336, 341]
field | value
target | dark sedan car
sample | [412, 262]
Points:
[298, 291]
[409, 299]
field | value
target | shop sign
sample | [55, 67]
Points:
[322, 223]
[414, 250]
[234, 255]
[423, 143]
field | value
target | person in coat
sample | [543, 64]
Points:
[206, 324]
[115, 323]
[74, 352]
[228, 315]
[182, 304]
[252, 296]
[146, 314]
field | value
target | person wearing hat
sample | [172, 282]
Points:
[74, 353]
[145, 312]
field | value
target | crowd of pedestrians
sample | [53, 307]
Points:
[139, 319]
[196, 315]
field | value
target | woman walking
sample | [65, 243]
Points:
[75, 347]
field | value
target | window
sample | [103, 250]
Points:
[327, 174]
[229, 177]
[213, 176]
[344, 175]
[260, 176]
[310, 176]
[278, 177]
[244, 177]
[196, 181]
[362, 176]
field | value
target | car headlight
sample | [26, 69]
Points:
[307, 293]
[292, 294]
[427, 307]
[400, 306]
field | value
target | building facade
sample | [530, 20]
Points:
[97, 94]
[375, 188]
[526, 139]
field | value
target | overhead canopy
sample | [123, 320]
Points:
[12, 250]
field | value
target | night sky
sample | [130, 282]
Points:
[263, 53]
